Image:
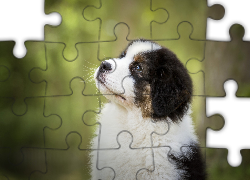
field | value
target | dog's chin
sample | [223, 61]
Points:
[108, 93]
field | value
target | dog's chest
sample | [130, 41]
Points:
[127, 142]
[130, 164]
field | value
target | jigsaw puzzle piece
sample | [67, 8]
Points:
[59, 71]
[235, 13]
[33, 160]
[228, 63]
[193, 49]
[218, 167]
[112, 49]
[174, 160]
[15, 80]
[74, 27]
[72, 108]
[200, 121]
[114, 158]
[234, 60]
[26, 131]
[139, 20]
[228, 107]
[192, 11]
[69, 163]
[189, 158]
[160, 157]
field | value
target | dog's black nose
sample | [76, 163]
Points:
[105, 66]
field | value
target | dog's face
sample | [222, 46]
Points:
[148, 76]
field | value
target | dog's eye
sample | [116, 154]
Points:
[137, 68]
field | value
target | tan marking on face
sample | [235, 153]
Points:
[138, 58]
[146, 103]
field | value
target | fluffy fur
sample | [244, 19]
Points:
[149, 91]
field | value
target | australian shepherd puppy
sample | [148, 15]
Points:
[149, 92]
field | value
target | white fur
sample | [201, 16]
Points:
[120, 115]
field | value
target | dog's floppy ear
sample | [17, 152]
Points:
[171, 86]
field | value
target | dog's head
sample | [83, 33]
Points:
[148, 76]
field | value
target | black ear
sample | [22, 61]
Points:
[171, 86]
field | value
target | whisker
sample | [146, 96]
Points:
[89, 73]
[88, 67]
[91, 63]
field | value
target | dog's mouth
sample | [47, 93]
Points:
[102, 82]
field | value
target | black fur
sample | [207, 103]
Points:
[171, 85]
[190, 161]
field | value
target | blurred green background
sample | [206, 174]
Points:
[48, 99]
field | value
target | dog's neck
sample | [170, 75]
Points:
[130, 119]
[116, 118]
[132, 112]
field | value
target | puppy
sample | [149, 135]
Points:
[149, 91]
